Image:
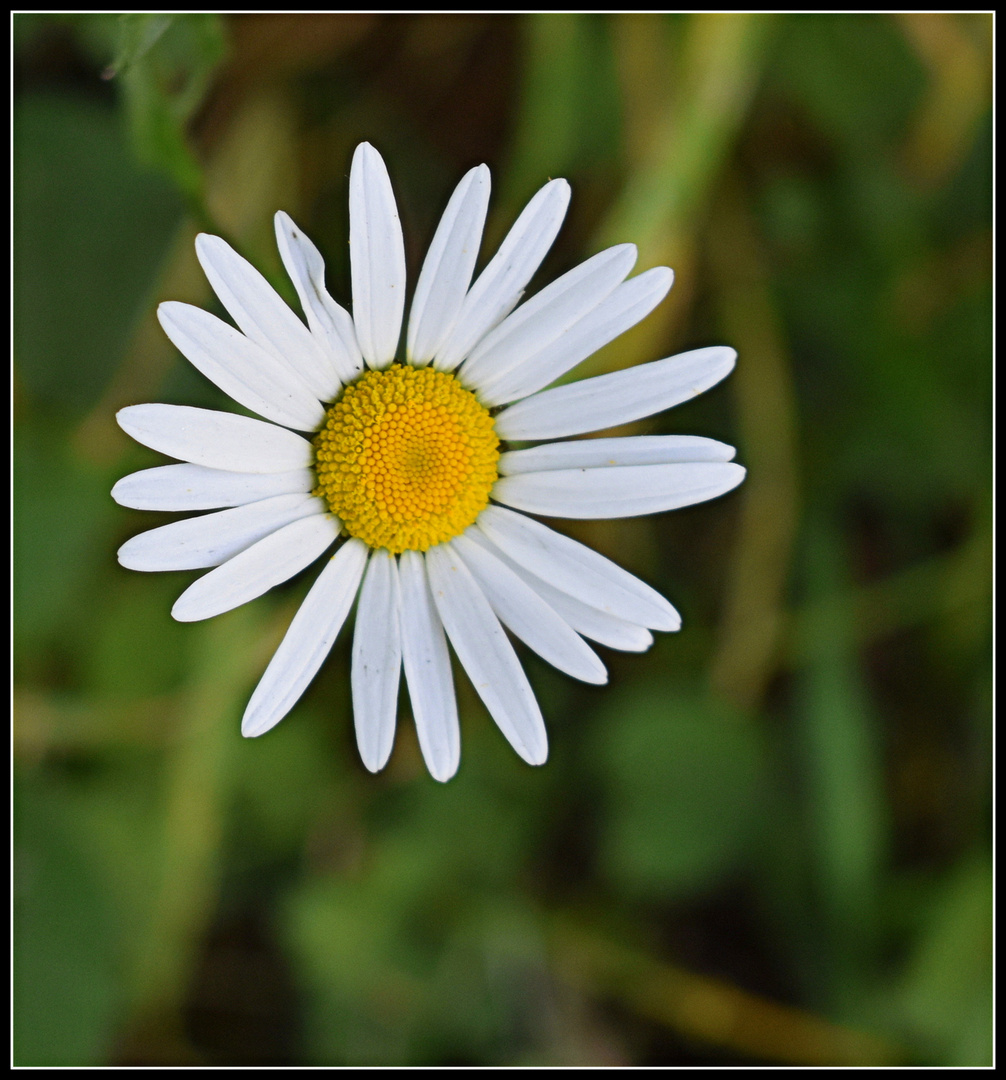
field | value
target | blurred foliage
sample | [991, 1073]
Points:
[165, 65]
[767, 841]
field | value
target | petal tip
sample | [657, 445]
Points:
[208, 246]
[182, 612]
[443, 773]
[252, 726]
[366, 155]
[537, 757]
[122, 416]
[116, 491]
[168, 311]
[372, 766]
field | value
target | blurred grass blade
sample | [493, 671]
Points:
[719, 66]
[137, 34]
[848, 822]
[168, 71]
[682, 145]
[945, 996]
[569, 102]
[706, 1009]
[762, 385]
[199, 768]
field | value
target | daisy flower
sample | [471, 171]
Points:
[409, 471]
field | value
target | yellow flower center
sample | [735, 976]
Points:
[406, 459]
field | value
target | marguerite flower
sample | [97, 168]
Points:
[406, 469]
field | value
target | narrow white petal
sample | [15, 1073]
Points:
[523, 610]
[500, 286]
[377, 660]
[194, 487]
[541, 324]
[448, 267]
[263, 316]
[242, 369]
[331, 324]
[377, 258]
[593, 623]
[621, 491]
[576, 569]
[212, 539]
[428, 670]
[486, 653]
[308, 640]
[215, 439]
[601, 453]
[273, 560]
[608, 400]
[623, 308]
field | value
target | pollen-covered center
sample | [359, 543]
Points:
[406, 459]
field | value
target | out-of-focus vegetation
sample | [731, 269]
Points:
[768, 840]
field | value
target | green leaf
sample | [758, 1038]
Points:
[846, 809]
[681, 779]
[854, 73]
[569, 109]
[62, 533]
[66, 991]
[137, 36]
[169, 71]
[90, 235]
[946, 995]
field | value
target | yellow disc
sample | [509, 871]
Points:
[406, 458]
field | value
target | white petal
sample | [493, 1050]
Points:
[500, 286]
[541, 324]
[448, 267]
[308, 640]
[428, 670]
[194, 487]
[608, 400]
[377, 661]
[331, 324]
[212, 539]
[273, 560]
[377, 258]
[486, 654]
[621, 491]
[601, 453]
[242, 369]
[593, 623]
[522, 609]
[263, 316]
[215, 439]
[623, 308]
[576, 569]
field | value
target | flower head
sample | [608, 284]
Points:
[404, 467]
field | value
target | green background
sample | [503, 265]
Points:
[768, 839]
